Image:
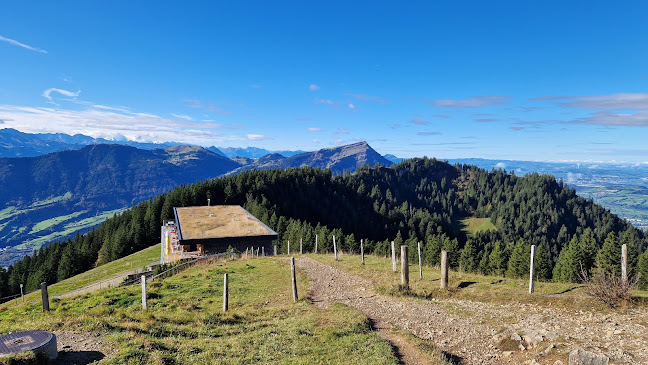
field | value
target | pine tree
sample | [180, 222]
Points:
[518, 264]
[452, 247]
[467, 258]
[542, 263]
[498, 259]
[642, 270]
[608, 258]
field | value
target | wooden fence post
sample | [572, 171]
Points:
[393, 256]
[289, 247]
[22, 295]
[362, 251]
[335, 248]
[45, 297]
[143, 291]
[275, 249]
[444, 269]
[404, 268]
[624, 263]
[301, 247]
[294, 278]
[262, 251]
[532, 270]
[315, 243]
[225, 293]
[420, 262]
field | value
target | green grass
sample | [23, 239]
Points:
[69, 228]
[131, 262]
[54, 221]
[474, 225]
[468, 286]
[185, 324]
[7, 212]
[52, 200]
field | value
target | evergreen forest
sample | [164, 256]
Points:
[419, 200]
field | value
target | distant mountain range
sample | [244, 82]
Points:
[338, 159]
[52, 196]
[14, 143]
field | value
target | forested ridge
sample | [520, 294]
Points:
[416, 200]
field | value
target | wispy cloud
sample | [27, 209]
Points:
[182, 116]
[486, 120]
[313, 129]
[111, 124]
[473, 102]
[428, 133]
[620, 101]
[366, 97]
[341, 131]
[25, 46]
[324, 101]
[606, 118]
[442, 116]
[257, 137]
[351, 106]
[306, 119]
[208, 106]
[48, 93]
[419, 122]
[313, 87]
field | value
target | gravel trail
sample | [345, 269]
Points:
[468, 332]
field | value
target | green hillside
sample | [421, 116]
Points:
[418, 200]
[185, 324]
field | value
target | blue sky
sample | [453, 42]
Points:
[549, 80]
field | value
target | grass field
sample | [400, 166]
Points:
[131, 262]
[473, 225]
[184, 322]
[488, 289]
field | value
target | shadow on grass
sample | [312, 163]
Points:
[78, 357]
[571, 289]
[465, 284]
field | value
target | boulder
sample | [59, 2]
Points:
[582, 357]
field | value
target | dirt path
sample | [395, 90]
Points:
[469, 332]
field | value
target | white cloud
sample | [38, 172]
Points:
[366, 97]
[638, 119]
[341, 131]
[16, 43]
[48, 93]
[313, 87]
[419, 122]
[316, 141]
[352, 107]
[313, 129]
[325, 101]
[257, 137]
[182, 116]
[637, 101]
[500, 165]
[473, 102]
[110, 124]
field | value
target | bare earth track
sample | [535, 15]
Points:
[470, 332]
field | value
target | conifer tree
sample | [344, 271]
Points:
[498, 259]
[467, 257]
[542, 263]
[608, 257]
[642, 270]
[518, 264]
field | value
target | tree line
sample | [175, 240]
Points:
[419, 200]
